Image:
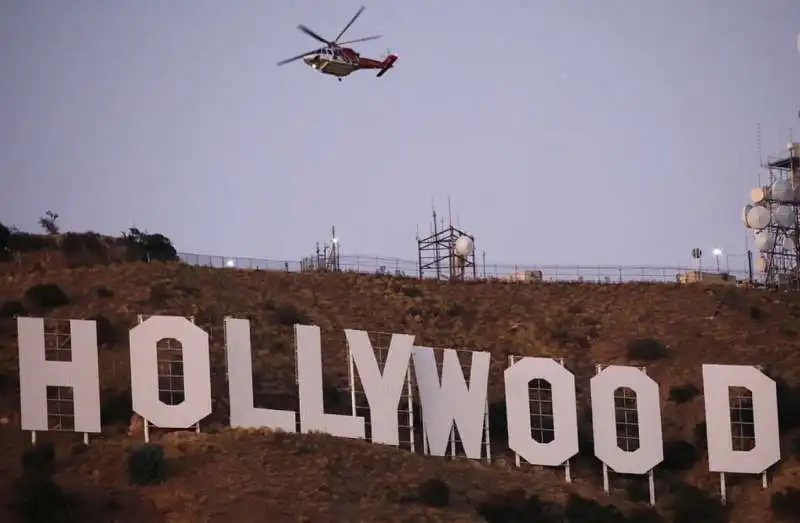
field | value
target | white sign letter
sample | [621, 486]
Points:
[717, 380]
[383, 391]
[240, 383]
[309, 378]
[518, 411]
[451, 399]
[604, 423]
[36, 374]
[144, 339]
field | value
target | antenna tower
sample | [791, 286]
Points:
[326, 259]
[448, 253]
[773, 215]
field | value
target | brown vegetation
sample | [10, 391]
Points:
[226, 475]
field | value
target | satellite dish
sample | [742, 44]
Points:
[783, 216]
[744, 214]
[761, 264]
[782, 191]
[758, 217]
[464, 246]
[788, 244]
[759, 194]
[764, 240]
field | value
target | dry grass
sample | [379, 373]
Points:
[231, 476]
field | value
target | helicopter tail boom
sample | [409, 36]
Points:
[388, 63]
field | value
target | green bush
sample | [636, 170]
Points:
[36, 498]
[290, 315]
[39, 459]
[87, 248]
[679, 455]
[516, 506]
[786, 504]
[146, 247]
[5, 237]
[693, 505]
[147, 465]
[107, 332]
[116, 407]
[434, 493]
[683, 393]
[646, 350]
[589, 510]
[47, 295]
[20, 242]
[12, 309]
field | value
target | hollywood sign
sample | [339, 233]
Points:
[448, 399]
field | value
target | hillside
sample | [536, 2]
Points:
[225, 475]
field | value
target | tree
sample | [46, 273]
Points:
[48, 222]
[147, 247]
[5, 237]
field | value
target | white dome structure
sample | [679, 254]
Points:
[764, 240]
[758, 217]
[782, 191]
[783, 216]
[464, 246]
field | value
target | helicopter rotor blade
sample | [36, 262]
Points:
[355, 17]
[366, 38]
[312, 34]
[298, 57]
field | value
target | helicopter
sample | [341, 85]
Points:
[339, 61]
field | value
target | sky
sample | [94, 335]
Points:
[563, 131]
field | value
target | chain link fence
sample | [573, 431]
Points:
[735, 265]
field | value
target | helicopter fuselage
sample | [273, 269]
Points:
[333, 62]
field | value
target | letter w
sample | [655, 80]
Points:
[451, 401]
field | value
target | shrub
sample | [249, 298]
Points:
[411, 292]
[47, 295]
[107, 332]
[498, 421]
[756, 313]
[87, 248]
[104, 292]
[5, 237]
[638, 489]
[786, 504]
[683, 393]
[11, 309]
[146, 247]
[39, 459]
[646, 515]
[37, 498]
[117, 407]
[679, 455]
[147, 465]
[646, 350]
[434, 493]
[692, 505]
[514, 506]
[25, 242]
[290, 315]
[788, 405]
[700, 435]
[589, 510]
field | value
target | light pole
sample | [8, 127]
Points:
[717, 253]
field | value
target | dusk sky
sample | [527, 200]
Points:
[564, 131]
